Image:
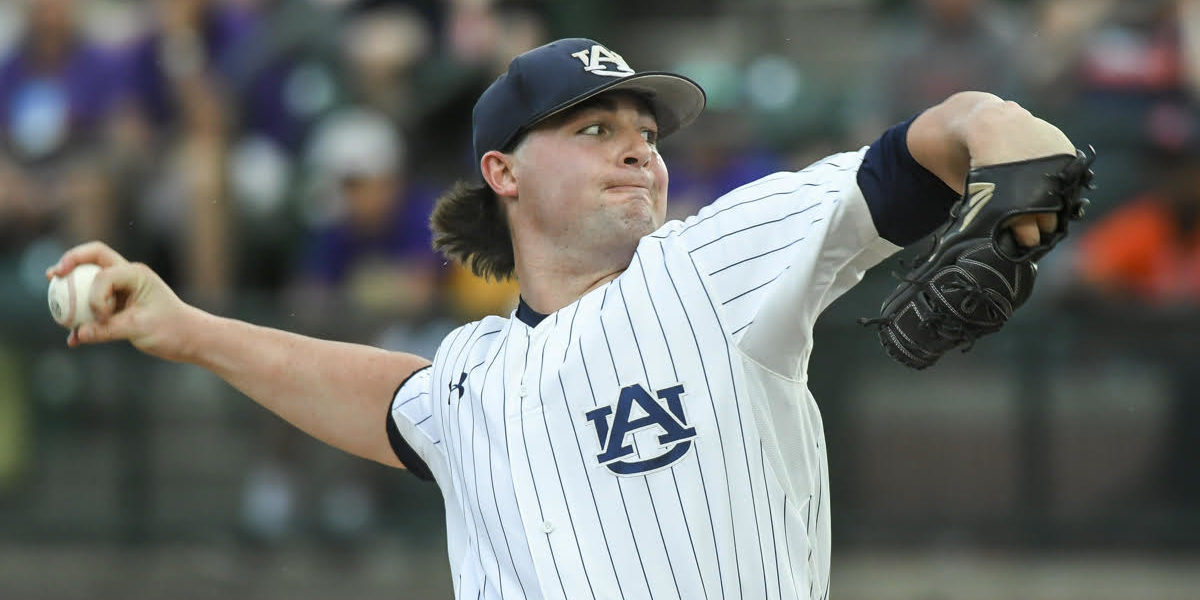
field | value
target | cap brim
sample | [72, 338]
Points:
[675, 99]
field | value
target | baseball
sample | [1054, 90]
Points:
[68, 296]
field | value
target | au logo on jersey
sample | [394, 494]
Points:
[612, 429]
[601, 61]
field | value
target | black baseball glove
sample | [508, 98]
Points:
[976, 275]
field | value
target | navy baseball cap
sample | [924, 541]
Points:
[552, 78]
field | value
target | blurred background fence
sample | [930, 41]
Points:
[275, 160]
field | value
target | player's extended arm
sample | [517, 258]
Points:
[975, 129]
[336, 392]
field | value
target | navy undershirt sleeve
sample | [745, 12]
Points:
[907, 202]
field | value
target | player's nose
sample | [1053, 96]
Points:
[636, 151]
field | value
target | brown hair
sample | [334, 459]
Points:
[470, 227]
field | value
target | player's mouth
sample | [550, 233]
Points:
[629, 186]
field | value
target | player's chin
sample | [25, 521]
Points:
[641, 220]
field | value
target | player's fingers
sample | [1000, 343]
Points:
[1047, 222]
[113, 287]
[92, 252]
[95, 332]
[1025, 230]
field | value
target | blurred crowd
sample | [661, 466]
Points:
[268, 145]
[288, 151]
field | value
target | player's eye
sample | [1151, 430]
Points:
[651, 136]
[593, 129]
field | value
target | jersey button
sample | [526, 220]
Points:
[547, 526]
[524, 391]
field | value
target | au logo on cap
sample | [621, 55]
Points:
[602, 61]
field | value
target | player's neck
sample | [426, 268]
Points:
[554, 271]
[546, 288]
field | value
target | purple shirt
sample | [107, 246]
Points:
[145, 79]
[43, 113]
[332, 252]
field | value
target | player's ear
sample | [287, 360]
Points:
[497, 169]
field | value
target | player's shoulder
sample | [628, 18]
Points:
[472, 337]
[835, 172]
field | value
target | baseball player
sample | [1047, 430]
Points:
[640, 426]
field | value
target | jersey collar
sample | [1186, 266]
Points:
[527, 315]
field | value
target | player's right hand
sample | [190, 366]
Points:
[129, 302]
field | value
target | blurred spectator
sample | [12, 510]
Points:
[1053, 43]
[56, 91]
[285, 77]
[368, 259]
[1135, 55]
[383, 48]
[370, 249]
[1122, 69]
[175, 124]
[287, 74]
[1147, 250]
[946, 46]
[480, 38]
[188, 38]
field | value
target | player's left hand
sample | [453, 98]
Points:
[1028, 228]
[977, 274]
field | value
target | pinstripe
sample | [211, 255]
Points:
[447, 434]
[532, 478]
[787, 544]
[742, 433]
[442, 377]
[491, 475]
[617, 382]
[759, 255]
[558, 472]
[704, 219]
[756, 225]
[739, 329]
[646, 480]
[755, 288]
[770, 519]
[507, 455]
[620, 489]
[720, 438]
[411, 399]
[445, 364]
[579, 449]
[625, 506]
[456, 441]
[675, 375]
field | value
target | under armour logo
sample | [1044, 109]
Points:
[602, 61]
[612, 432]
[458, 386]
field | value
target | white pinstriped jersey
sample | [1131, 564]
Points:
[656, 438]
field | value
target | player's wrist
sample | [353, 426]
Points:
[190, 340]
[1004, 132]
